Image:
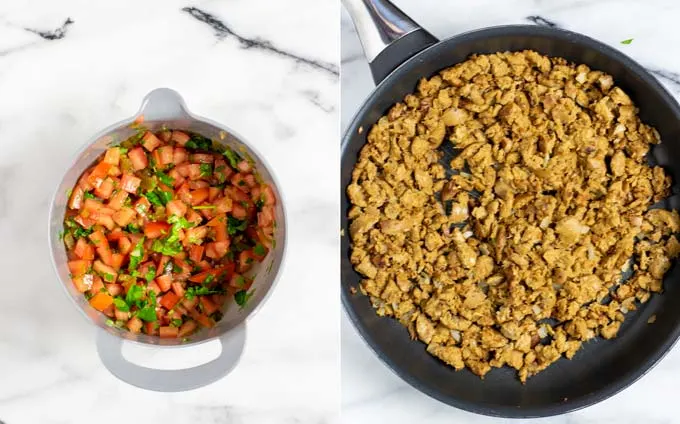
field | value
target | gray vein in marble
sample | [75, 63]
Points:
[315, 99]
[673, 78]
[56, 34]
[223, 31]
[351, 58]
[541, 21]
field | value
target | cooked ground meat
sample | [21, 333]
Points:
[543, 209]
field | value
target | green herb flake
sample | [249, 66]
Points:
[132, 228]
[121, 305]
[199, 142]
[176, 322]
[165, 178]
[206, 170]
[241, 297]
[89, 195]
[150, 274]
[235, 225]
[232, 157]
[240, 281]
[109, 277]
[209, 279]
[69, 192]
[136, 255]
[109, 322]
[134, 294]
[259, 250]
[147, 313]
[628, 41]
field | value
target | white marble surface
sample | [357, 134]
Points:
[370, 391]
[279, 91]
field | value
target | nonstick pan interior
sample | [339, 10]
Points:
[602, 367]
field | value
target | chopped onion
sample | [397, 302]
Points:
[542, 332]
[591, 252]
[624, 309]
[468, 234]
[545, 222]
[536, 309]
[456, 335]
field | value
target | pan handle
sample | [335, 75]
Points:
[389, 37]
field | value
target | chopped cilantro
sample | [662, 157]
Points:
[69, 192]
[176, 268]
[199, 142]
[62, 233]
[158, 197]
[136, 255]
[235, 225]
[150, 274]
[121, 305]
[192, 292]
[132, 228]
[110, 278]
[89, 195]
[241, 297]
[206, 170]
[240, 281]
[209, 279]
[109, 322]
[134, 294]
[628, 41]
[165, 178]
[166, 248]
[147, 313]
[232, 157]
[176, 322]
[259, 203]
[259, 250]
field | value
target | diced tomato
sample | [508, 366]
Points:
[189, 304]
[196, 234]
[124, 216]
[236, 194]
[268, 195]
[199, 196]
[107, 272]
[100, 171]
[183, 169]
[179, 155]
[121, 316]
[239, 212]
[255, 193]
[202, 158]
[245, 261]
[244, 166]
[208, 306]
[83, 282]
[109, 311]
[223, 205]
[176, 207]
[266, 217]
[101, 301]
[199, 184]
[221, 233]
[97, 285]
[186, 328]
[164, 282]
[76, 199]
[196, 253]
[79, 267]
[84, 250]
[156, 229]
[193, 217]
[115, 235]
[202, 319]
[112, 156]
[200, 277]
[210, 251]
[142, 206]
[114, 289]
[214, 192]
[169, 300]
[138, 158]
[84, 222]
[154, 288]
[118, 199]
[106, 221]
[91, 205]
[180, 137]
[150, 141]
[177, 178]
[130, 183]
[194, 171]
[114, 171]
[250, 181]
[116, 261]
[134, 325]
[169, 332]
[151, 328]
[239, 180]
[166, 155]
[124, 245]
[184, 194]
[178, 289]
[99, 239]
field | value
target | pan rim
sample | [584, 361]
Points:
[622, 381]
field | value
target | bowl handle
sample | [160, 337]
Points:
[110, 352]
[163, 104]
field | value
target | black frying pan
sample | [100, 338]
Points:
[400, 53]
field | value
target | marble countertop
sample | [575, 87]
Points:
[71, 68]
[370, 391]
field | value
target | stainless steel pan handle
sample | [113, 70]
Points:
[388, 36]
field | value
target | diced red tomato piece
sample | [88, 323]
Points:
[176, 207]
[268, 195]
[84, 250]
[116, 261]
[134, 325]
[150, 141]
[199, 196]
[124, 216]
[101, 301]
[107, 272]
[166, 155]
[196, 253]
[83, 282]
[194, 171]
[106, 221]
[156, 229]
[99, 239]
[177, 178]
[151, 328]
[118, 200]
[169, 332]
[196, 234]
[180, 137]
[200, 277]
[194, 217]
[124, 245]
[202, 319]
[121, 316]
[239, 212]
[236, 194]
[223, 205]
[245, 261]
[130, 183]
[112, 156]
[239, 180]
[142, 206]
[214, 192]
[244, 166]
[209, 307]
[202, 158]
[114, 171]
[100, 171]
[169, 300]
[84, 222]
[154, 288]
[115, 235]
[164, 282]
[138, 158]
[76, 199]
[114, 289]
[91, 205]
[221, 233]
[179, 155]
[79, 267]
[265, 218]
[199, 184]
[178, 289]
[187, 328]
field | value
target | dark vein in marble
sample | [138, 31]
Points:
[673, 78]
[223, 31]
[57, 34]
[541, 21]
[315, 99]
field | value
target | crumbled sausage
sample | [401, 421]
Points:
[546, 208]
